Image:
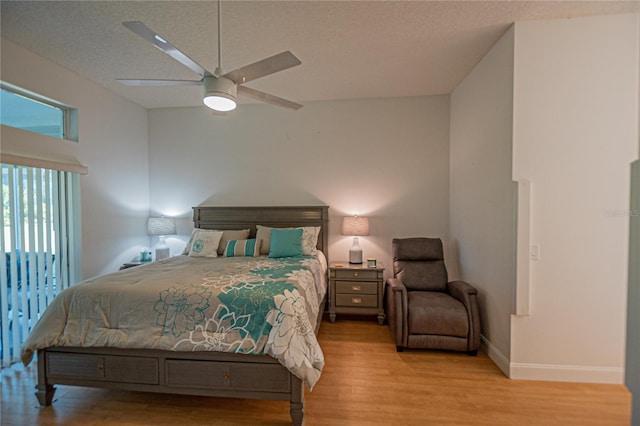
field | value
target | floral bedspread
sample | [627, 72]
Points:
[250, 305]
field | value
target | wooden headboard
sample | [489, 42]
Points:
[277, 217]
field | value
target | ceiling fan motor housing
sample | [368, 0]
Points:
[219, 87]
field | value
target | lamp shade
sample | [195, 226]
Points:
[355, 225]
[161, 226]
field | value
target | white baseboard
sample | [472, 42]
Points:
[566, 373]
[552, 373]
[495, 355]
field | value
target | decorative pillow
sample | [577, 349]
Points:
[286, 243]
[205, 243]
[237, 248]
[238, 234]
[263, 233]
[309, 238]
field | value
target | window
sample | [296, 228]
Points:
[28, 111]
[40, 214]
[39, 245]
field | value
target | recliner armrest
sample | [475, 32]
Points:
[397, 311]
[467, 295]
[396, 285]
[461, 290]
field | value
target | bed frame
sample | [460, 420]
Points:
[191, 373]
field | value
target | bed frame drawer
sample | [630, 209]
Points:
[257, 377]
[123, 369]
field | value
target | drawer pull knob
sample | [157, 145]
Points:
[355, 274]
[356, 300]
[356, 288]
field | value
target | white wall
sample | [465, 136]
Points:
[632, 366]
[482, 199]
[387, 159]
[112, 144]
[575, 134]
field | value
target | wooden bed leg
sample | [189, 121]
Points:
[44, 391]
[297, 402]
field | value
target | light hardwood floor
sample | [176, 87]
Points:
[365, 382]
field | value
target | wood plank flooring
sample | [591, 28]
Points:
[365, 382]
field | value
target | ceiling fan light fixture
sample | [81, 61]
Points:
[220, 102]
[220, 94]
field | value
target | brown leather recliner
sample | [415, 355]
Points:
[423, 308]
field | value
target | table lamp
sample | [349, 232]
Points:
[161, 226]
[355, 226]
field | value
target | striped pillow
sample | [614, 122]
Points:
[236, 248]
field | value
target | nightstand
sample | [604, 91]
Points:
[132, 264]
[355, 289]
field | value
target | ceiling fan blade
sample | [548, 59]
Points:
[149, 35]
[265, 97]
[128, 82]
[279, 62]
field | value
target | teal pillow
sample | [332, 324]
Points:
[286, 243]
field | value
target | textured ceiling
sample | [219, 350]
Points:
[348, 49]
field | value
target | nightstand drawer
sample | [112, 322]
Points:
[357, 287]
[348, 274]
[366, 300]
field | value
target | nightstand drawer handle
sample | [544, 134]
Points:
[356, 300]
[356, 288]
[355, 274]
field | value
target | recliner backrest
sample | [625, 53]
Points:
[419, 263]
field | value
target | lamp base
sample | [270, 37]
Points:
[162, 253]
[355, 255]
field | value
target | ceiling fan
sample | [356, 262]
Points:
[220, 90]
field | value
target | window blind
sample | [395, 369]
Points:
[39, 248]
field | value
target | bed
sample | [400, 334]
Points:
[192, 365]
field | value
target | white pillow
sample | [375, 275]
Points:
[205, 243]
[230, 234]
[309, 238]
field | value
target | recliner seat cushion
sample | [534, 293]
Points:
[436, 313]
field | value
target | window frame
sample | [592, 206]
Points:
[69, 114]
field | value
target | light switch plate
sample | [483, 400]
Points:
[534, 252]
